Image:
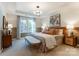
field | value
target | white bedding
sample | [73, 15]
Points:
[50, 40]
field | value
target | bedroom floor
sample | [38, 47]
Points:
[20, 48]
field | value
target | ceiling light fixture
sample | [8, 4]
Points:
[37, 12]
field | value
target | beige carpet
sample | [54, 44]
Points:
[20, 48]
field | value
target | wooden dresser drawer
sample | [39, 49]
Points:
[6, 41]
[69, 40]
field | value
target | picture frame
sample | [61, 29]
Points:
[5, 26]
[5, 23]
[55, 20]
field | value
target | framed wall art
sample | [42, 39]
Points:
[55, 20]
[5, 23]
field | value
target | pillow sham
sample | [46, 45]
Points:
[54, 31]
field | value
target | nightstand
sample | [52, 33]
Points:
[70, 40]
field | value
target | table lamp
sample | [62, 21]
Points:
[70, 29]
[10, 26]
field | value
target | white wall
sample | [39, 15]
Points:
[38, 22]
[1, 22]
[69, 15]
[12, 19]
[10, 9]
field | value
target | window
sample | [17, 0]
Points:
[27, 25]
[31, 25]
[23, 26]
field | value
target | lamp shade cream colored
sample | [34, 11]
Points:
[44, 27]
[10, 26]
[69, 26]
[69, 29]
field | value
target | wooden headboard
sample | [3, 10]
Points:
[54, 30]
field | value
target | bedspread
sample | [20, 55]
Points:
[48, 41]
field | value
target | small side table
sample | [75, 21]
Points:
[71, 40]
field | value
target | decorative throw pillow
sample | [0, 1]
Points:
[60, 31]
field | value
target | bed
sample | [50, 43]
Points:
[47, 41]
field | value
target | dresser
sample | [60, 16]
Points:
[6, 41]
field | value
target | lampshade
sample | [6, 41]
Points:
[70, 29]
[69, 26]
[10, 26]
[45, 27]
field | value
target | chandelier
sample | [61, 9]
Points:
[37, 12]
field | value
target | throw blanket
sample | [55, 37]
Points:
[48, 41]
